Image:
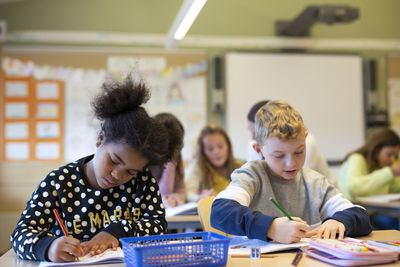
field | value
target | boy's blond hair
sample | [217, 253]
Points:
[278, 119]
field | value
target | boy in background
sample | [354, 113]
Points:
[244, 207]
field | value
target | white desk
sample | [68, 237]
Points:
[284, 259]
[392, 207]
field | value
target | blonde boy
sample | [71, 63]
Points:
[243, 208]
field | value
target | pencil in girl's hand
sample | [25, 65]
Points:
[280, 208]
[60, 222]
[63, 228]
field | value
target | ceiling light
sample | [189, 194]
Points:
[185, 18]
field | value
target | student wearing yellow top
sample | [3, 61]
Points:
[210, 172]
[373, 169]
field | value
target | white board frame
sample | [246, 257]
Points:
[327, 90]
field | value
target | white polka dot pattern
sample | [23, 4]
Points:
[132, 209]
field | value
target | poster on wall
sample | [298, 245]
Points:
[179, 90]
[63, 125]
[32, 113]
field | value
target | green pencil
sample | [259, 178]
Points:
[280, 208]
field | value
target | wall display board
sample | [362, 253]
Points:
[326, 89]
[32, 119]
[179, 89]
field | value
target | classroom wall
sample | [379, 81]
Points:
[379, 20]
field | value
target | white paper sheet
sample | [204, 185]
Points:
[47, 150]
[47, 130]
[16, 130]
[16, 89]
[16, 110]
[17, 151]
[47, 110]
[47, 90]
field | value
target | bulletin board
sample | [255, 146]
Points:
[326, 90]
[32, 119]
[177, 82]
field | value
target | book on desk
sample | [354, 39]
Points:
[189, 208]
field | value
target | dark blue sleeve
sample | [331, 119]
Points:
[356, 221]
[232, 218]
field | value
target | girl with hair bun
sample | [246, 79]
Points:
[105, 196]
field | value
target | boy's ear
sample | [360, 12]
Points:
[306, 133]
[100, 139]
[257, 148]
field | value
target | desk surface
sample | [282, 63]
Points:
[367, 203]
[279, 259]
[183, 221]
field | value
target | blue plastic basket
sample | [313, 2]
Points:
[194, 249]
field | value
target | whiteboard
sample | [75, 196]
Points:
[325, 89]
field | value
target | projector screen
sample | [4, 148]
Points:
[325, 89]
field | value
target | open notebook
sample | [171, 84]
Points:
[241, 245]
[108, 256]
[189, 208]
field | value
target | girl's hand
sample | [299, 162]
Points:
[395, 168]
[328, 230]
[169, 201]
[100, 243]
[64, 249]
[283, 230]
[207, 192]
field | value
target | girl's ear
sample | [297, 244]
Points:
[100, 139]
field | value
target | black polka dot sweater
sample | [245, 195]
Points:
[132, 209]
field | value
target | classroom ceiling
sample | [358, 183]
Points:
[219, 18]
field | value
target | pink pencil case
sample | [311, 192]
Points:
[349, 252]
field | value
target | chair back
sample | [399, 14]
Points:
[204, 210]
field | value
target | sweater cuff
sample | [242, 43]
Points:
[42, 246]
[387, 172]
[259, 229]
[116, 230]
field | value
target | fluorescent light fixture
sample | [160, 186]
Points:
[185, 18]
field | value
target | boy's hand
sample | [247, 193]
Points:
[64, 249]
[328, 230]
[100, 243]
[284, 230]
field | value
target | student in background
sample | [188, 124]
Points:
[105, 196]
[314, 158]
[244, 207]
[210, 172]
[373, 169]
[170, 177]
